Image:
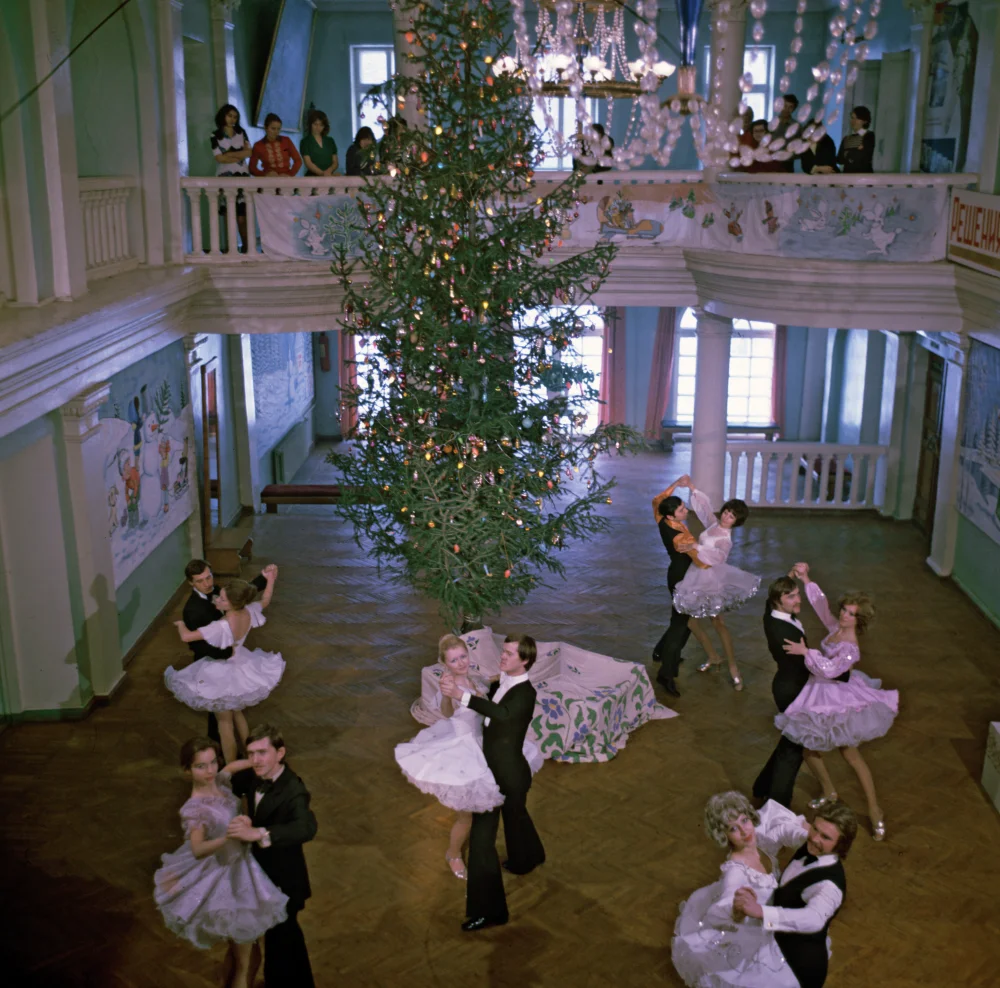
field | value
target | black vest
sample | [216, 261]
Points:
[679, 561]
[806, 952]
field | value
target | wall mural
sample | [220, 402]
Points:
[282, 383]
[147, 429]
[979, 454]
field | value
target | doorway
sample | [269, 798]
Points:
[925, 500]
[211, 494]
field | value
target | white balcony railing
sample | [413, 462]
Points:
[807, 475]
[679, 208]
[105, 206]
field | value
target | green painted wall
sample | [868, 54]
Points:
[977, 563]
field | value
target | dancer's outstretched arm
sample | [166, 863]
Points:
[684, 481]
[270, 573]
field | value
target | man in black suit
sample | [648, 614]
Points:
[781, 624]
[200, 610]
[809, 894]
[280, 822]
[507, 713]
[670, 513]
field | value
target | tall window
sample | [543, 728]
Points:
[758, 61]
[562, 110]
[371, 65]
[751, 368]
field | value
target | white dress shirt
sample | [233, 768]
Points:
[507, 683]
[265, 841]
[822, 900]
[790, 618]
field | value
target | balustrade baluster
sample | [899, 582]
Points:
[104, 251]
[838, 484]
[122, 208]
[858, 464]
[114, 225]
[824, 478]
[251, 199]
[213, 223]
[88, 229]
[871, 469]
[194, 200]
[232, 240]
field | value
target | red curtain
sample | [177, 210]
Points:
[348, 378]
[612, 389]
[661, 372]
[778, 377]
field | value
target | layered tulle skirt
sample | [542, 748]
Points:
[224, 896]
[830, 714]
[708, 592]
[241, 681]
[449, 765]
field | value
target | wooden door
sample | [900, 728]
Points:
[925, 500]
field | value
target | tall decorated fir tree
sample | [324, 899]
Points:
[470, 467]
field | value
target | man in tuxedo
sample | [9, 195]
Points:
[670, 513]
[809, 894]
[781, 624]
[507, 713]
[280, 822]
[200, 610]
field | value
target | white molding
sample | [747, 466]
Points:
[79, 414]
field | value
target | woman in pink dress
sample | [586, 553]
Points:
[839, 707]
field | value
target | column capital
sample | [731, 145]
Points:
[191, 356]
[709, 322]
[79, 414]
[728, 10]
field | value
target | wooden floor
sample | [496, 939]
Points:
[87, 808]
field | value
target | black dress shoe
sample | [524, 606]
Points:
[480, 923]
[667, 682]
[657, 657]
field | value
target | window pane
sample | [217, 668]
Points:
[740, 325]
[757, 62]
[739, 347]
[685, 386]
[685, 408]
[373, 68]
[760, 409]
[761, 387]
[736, 410]
[739, 367]
[686, 366]
[762, 346]
[739, 387]
[688, 346]
[762, 325]
[688, 320]
[758, 103]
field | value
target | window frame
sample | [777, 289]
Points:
[565, 163]
[357, 96]
[766, 90]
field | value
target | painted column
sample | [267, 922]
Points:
[726, 66]
[173, 122]
[983, 156]
[920, 46]
[50, 34]
[711, 398]
[100, 657]
[945, 532]
[245, 421]
[224, 53]
[407, 67]
[193, 360]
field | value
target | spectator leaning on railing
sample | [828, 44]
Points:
[361, 154]
[319, 151]
[274, 155]
[858, 148]
[820, 158]
[231, 148]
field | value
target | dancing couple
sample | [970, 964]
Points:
[701, 582]
[238, 877]
[758, 926]
[478, 762]
[824, 703]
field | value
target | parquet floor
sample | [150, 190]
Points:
[87, 808]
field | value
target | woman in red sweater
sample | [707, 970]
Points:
[274, 155]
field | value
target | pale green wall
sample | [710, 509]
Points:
[977, 563]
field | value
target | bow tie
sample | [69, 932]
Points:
[808, 859]
[266, 785]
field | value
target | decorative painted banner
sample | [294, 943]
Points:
[147, 428]
[979, 453]
[851, 223]
[974, 231]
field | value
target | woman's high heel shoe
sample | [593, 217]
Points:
[737, 683]
[705, 666]
[820, 801]
[460, 872]
[878, 829]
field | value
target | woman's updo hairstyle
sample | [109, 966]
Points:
[447, 643]
[239, 593]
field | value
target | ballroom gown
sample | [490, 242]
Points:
[710, 949]
[706, 592]
[829, 713]
[222, 896]
[446, 761]
[241, 681]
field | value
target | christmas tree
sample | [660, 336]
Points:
[470, 467]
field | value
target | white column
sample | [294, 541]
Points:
[244, 420]
[174, 123]
[945, 532]
[711, 398]
[50, 34]
[406, 67]
[983, 155]
[224, 53]
[100, 658]
[726, 66]
[920, 46]
[194, 360]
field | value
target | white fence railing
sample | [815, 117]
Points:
[807, 475]
[105, 206]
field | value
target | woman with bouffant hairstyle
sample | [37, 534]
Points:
[228, 687]
[839, 707]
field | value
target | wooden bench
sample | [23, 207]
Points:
[226, 549]
[670, 429]
[275, 494]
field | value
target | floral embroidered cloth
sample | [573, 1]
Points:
[587, 703]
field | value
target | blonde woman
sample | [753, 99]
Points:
[446, 759]
[839, 707]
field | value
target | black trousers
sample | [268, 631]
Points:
[672, 643]
[777, 778]
[286, 960]
[485, 894]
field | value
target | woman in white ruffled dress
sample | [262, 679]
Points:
[711, 586]
[710, 948]
[228, 686]
[211, 889]
[446, 759]
[839, 707]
